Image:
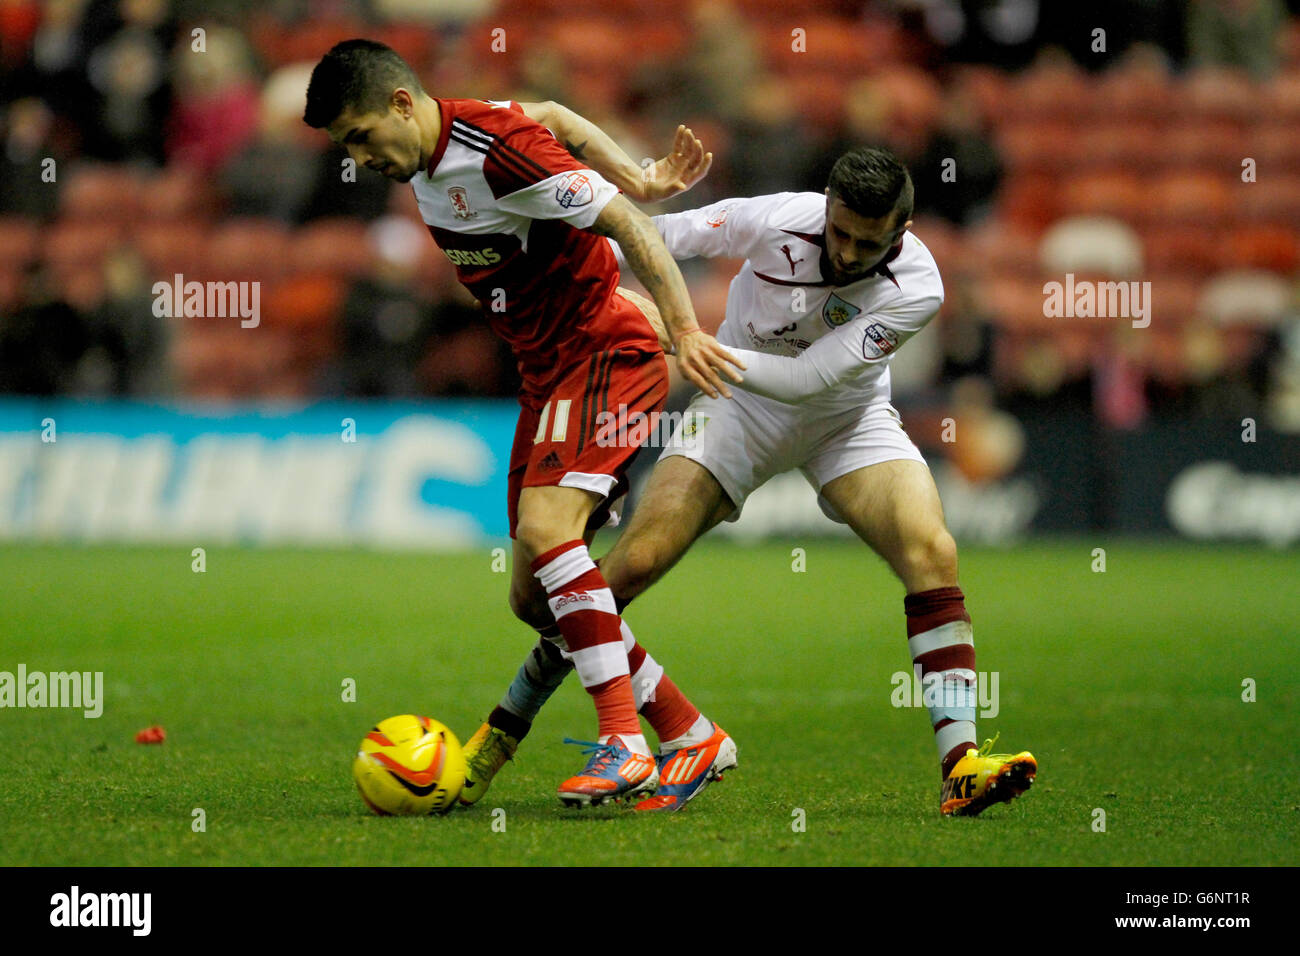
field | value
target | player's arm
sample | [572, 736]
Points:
[699, 356]
[729, 229]
[833, 358]
[684, 166]
[822, 366]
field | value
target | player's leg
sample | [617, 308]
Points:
[681, 501]
[575, 460]
[538, 677]
[894, 507]
[552, 520]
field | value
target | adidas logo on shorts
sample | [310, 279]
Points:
[550, 462]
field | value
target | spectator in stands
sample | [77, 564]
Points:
[43, 341]
[958, 175]
[216, 107]
[27, 145]
[125, 334]
[128, 74]
[51, 62]
[1236, 33]
[385, 325]
[717, 72]
[465, 358]
[771, 148]
[394, 342]
[275, 174]
[997, 32]
[896, 108]
[967, 331]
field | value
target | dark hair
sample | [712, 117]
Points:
[359, 75]
[872, 182]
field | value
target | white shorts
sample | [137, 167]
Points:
[745, 440]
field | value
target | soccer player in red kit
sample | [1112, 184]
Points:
[522, 220]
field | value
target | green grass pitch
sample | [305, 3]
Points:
[1127, 685]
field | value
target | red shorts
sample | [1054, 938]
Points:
[573, 442]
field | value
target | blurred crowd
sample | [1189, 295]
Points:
[1147, 140]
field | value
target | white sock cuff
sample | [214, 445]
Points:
[945, 635]
[950, 735]
[563, 568]
[599, 663]
[646, 680]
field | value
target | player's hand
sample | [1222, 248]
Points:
[701, 358]
[684, 166]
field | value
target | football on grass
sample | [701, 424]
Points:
[409, 766]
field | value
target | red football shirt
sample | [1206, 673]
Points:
[510, 207]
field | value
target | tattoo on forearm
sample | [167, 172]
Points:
[576, 149]
[637, 252]
[650, 268]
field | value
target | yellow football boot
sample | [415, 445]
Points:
[485, 753]
[982, 778]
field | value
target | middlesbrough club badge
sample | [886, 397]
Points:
[460, 203]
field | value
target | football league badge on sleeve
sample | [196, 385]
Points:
[460, 203]
[574, 190]
[878, 341]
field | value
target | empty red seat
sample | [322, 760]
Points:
[1275, 248]
[172, 247]
[1273, 199]
[19, 242]
[1135, 93]
[100, 192]
[1182, 249]
[1211, 145]
[1210, 93]
[248, 249]
[1046, 146]
[71, 244]
[826, 42]
[1282, 97]
[1015, 303]
[177, 192]
[1116, 193]
[1031, 201]
[1002, 249]
[334, 247]
[1049, 94]
[1203, 199]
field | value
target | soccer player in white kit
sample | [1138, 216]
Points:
[832, 286]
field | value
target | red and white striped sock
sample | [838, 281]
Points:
[941, 643]
[584, 611]
[676, 721]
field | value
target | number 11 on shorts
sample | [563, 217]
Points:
[561, 427]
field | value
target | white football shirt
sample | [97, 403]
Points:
[804, 339]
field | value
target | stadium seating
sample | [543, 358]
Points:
[1161, 154]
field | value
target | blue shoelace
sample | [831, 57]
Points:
[603, 753]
